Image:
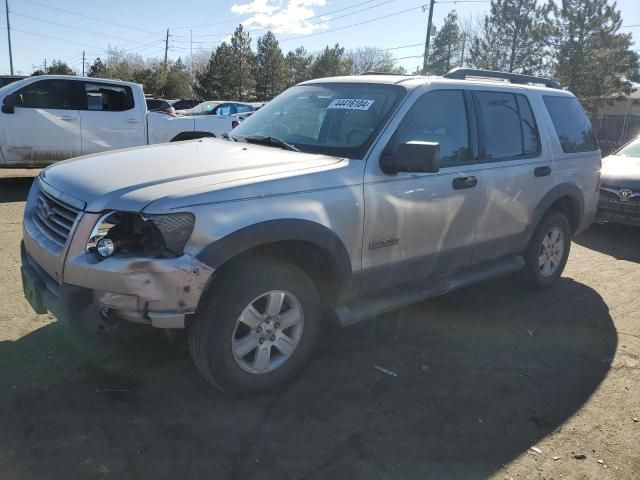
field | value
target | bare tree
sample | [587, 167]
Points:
[370, 59]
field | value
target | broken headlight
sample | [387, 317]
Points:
[133, 234]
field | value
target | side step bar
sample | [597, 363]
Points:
[368, 307]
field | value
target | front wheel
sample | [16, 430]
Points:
[547, 253]
[256, 326]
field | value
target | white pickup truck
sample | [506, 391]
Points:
[48, 118]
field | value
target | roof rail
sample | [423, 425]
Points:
[463, 73]
[383, 73]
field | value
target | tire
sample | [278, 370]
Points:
[537, 275]
[215, 331]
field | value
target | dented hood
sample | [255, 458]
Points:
[134, 178]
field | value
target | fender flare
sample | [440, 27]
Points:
[192, 136]
[556, 193]
[217, 253]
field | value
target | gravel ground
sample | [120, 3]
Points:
[491, 383]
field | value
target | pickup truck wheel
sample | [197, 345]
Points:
[256, 327]
[547, 252]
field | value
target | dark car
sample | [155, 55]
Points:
[184, 103]
[160, 105]
[620, 188]
[7, 79]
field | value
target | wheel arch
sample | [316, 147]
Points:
[191, 136]
[565, 197]
[314, 248]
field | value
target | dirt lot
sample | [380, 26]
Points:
[483, 375]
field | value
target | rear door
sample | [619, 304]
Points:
[110, 118]
[46, 127]
[517, 170]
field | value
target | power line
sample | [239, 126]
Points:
[353, 24]
[276, 26]
[75, 28]
[55, 38]
[87, 16]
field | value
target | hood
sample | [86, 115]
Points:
[621, 172]
[131, 179]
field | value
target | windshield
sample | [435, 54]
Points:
[631, 149]
[333, 119]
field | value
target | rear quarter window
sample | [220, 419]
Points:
[571, 124]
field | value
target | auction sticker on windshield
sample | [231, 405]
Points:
[350, 104]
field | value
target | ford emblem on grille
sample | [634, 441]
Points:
[625, 194]
[45, 210]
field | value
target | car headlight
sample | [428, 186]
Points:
[134, 234]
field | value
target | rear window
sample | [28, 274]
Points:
[108, 98]
[571, 123]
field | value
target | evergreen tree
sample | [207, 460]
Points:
[58, 67]
[331, 62]
[446, 47]
[97, 68]
[593, 59]
[513, 38]
[270, 68]
[242, 75]
[216, 80]
[298, 65]
[178, 79]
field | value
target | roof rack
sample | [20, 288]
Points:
[463, 73]
[383, 73]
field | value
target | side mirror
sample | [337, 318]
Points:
[414, 156]
[10, 102]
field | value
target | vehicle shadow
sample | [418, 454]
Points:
[470, 381]
[14, 189]
[619, 241]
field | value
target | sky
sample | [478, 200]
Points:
[63, 29]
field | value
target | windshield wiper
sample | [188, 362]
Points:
[272, 141]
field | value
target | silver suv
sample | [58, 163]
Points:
[341, 199]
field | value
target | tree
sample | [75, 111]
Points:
[97, 69]
[331, 62]
[298, 65]
[270, 68]
[594, 60]
[178, 81]
[446, 47]
[513, 37]
[369, 59]
[216, 80]
[242, 75]
[58, 67]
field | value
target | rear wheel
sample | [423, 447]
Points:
[547, 253]
[256, 326]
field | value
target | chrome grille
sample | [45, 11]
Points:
[53, 218]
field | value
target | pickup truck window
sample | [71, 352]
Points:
[53, 94]
[339, 119]
[107, 98]
[439, 116]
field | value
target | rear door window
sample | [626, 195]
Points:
[508, 127]
[107, 98]
[571, 123]
[51, 94]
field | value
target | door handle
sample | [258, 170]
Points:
[66, 118]
[132, 120]
[542, 171]
[464, 182]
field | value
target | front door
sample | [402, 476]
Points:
[421, 226]
[45, 128]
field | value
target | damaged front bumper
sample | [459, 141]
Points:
[74, 285]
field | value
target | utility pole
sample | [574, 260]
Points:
[82, 63]
[464, 43]
[166, 49]
[6, 5]
[45, 65]
[426, 43]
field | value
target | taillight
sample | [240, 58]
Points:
[234, 123]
